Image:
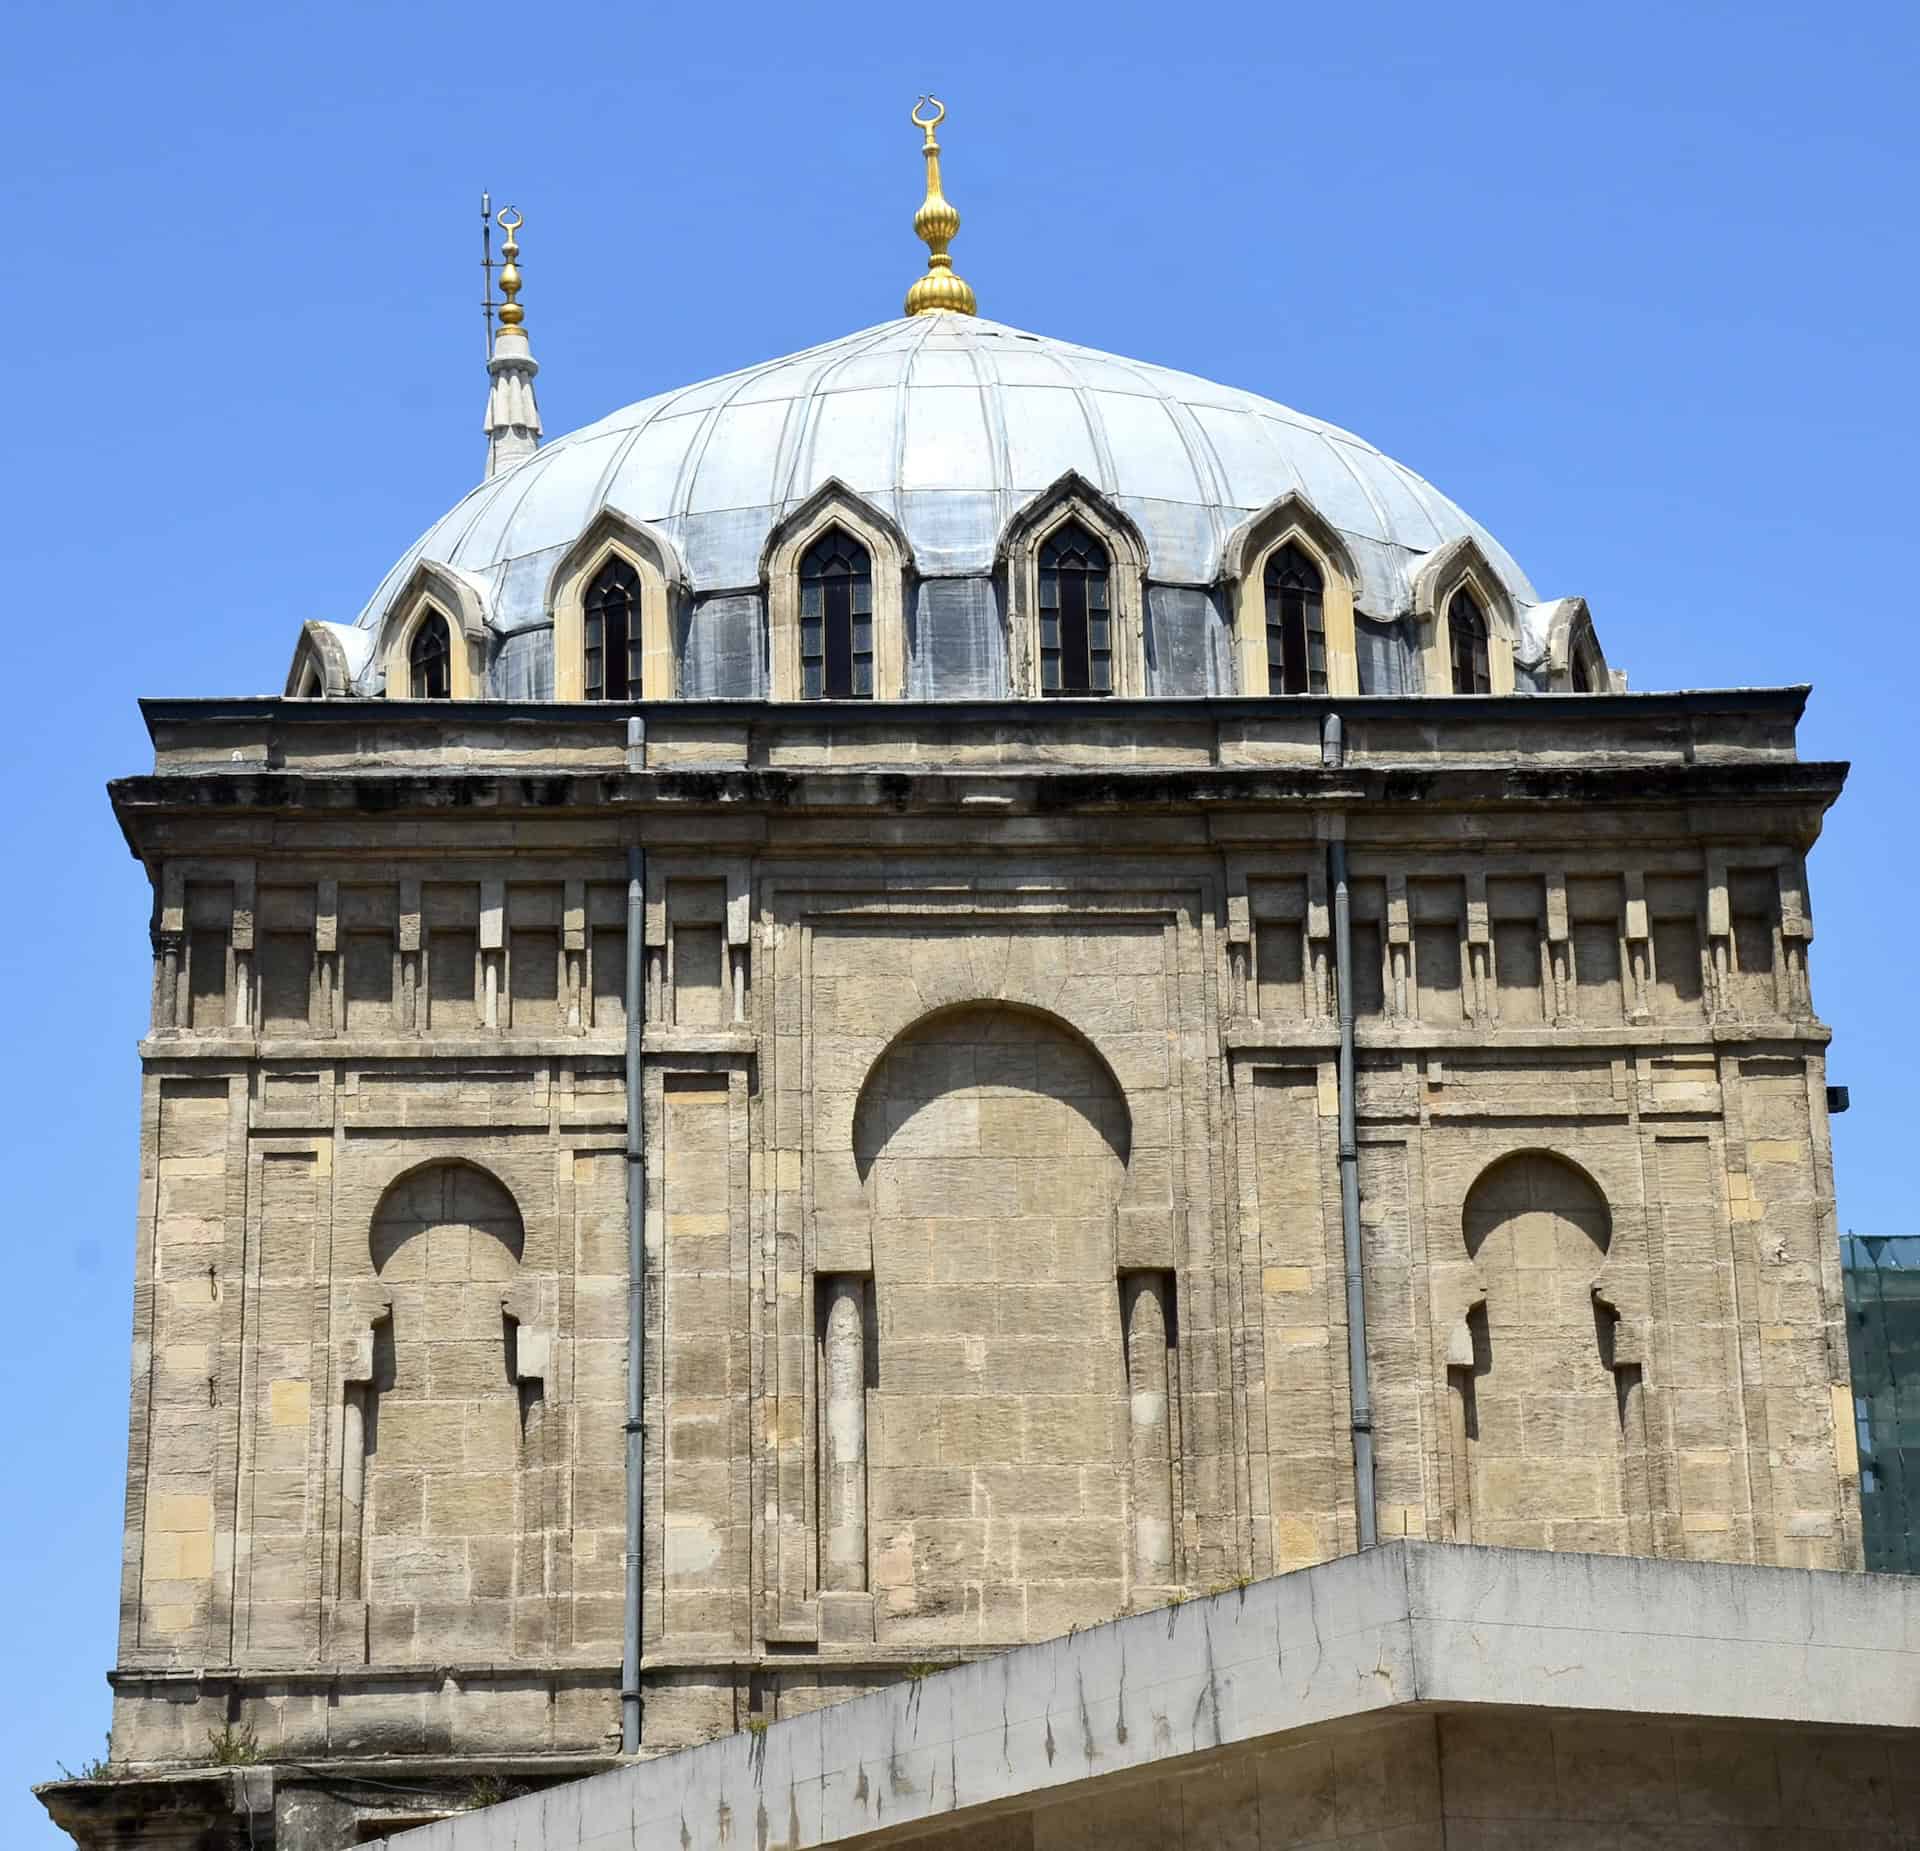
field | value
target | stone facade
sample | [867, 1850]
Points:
[995, 1283]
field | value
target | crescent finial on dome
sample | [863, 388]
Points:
[512, 315]
[935, 224]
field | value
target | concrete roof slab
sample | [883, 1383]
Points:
[1406, 1625]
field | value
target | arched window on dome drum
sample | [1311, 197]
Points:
[1467, 633]
[430, 660]
[836, 620]
[1076, 616]
[1296, 629]
[613, 633]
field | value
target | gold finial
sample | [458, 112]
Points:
[934, 224]
[512, 315]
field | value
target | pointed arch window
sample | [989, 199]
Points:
[1296, 624]
[430, 659]
[1467, 639]
[1076, 614]
[613, 640]
[836, 619]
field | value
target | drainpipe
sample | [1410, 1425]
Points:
[1333, 755]
[636, 997]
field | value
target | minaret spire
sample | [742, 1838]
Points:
[935, 224]
[513, 414]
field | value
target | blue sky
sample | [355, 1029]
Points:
[1635, 285]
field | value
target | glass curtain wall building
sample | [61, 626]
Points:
[1883, 1342]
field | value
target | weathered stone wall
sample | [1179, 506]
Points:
[994, 1259]
[997, 1472]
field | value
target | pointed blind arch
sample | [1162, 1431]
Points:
[1467, 640]
[836, 619]
[1076, 613]
[613, 639]
[1296, 623]
[430, 659]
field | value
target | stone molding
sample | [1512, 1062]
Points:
[663, 591]
[461, 600]
[1461, 564]
[1243, 580]
[834, 504]
[1017, 563]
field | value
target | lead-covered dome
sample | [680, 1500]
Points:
[948, 425]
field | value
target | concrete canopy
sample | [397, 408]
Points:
[1419, 1695]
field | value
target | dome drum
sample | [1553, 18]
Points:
[941, 436]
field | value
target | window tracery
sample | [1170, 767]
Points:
[430, 659]
[614, 648]
[1076, 614]
[836, 619]
[1467, 640]
[1296, 623]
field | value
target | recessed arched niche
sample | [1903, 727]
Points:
[1039, 1073]
[994, 1142]
[1545, 1409]
[1536, 1212]
[443, 1427]
[448, 1221]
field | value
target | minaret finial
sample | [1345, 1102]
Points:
[513, 414]
[935, 224]
[512, 315]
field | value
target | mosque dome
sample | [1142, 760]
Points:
[939, 440]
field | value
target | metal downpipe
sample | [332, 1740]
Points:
[1359, 1383]
[635, 1590]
